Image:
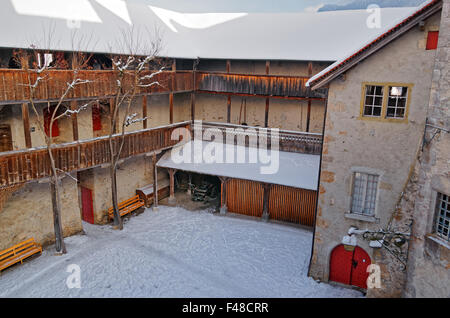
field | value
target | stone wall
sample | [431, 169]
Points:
[428, 270]
[388, 149]
[28, 213]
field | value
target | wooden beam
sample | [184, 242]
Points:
[266, 113]
[308, 116]
[171, 108]
[192, 106]
[265, 213]
[172, 185]
[155, 183]
[228, 66]
[267, 67]
[144, 111]
[229, 109]
[26, 125]
[73, 106]
[223, 196]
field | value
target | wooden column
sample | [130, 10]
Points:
[266, 112]
[192, 106]
[172, 185]
[265, 213]
[174, 69]
[229, 96]
[308, 116]
[223, 197]
[144, 111]
[155, 183]
[26, 125]
[112, 103]
[73, 106]
[171, 108]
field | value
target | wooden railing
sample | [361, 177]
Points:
[256, 85]
[103, 84]
[32, 164]
[291, 141]
[14, 83]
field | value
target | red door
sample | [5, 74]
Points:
[349, 267]
[87, 206]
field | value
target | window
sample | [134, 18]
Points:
[443, 216]
[432, 40]
[385, 101]
[374, 100]
[397, 102]
[364, 193]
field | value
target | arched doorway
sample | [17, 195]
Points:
[349, 266]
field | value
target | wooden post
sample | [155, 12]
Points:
[308, 116]
[223, 197]
[171, 108]
[192, 107]
[228, 66]
[229, 109]
[73, 106]
[172, 185]
[265, 212]
[155, 184]
[26, 125]
[266, 112]
[144, 111]
[112, 102]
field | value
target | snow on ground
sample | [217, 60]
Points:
[176, 253]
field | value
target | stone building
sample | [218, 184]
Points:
[369, 109]
[373, 137]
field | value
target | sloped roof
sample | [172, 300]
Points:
[323, 36]
[375, 43]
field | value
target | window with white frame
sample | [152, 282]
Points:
[373, 104]
[442, 216]
[364, 193]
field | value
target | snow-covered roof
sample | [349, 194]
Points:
[293, 169]
[323, 36]
[353, 54]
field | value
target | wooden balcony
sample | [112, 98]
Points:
[290, 141]
[290, 87]
[32, 164]
[14, 84]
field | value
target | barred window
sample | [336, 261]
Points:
[364, 193]
[443, 216]
[373, 101]
[397, 99]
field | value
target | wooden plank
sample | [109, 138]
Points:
[26, 125]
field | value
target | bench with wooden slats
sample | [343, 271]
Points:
[127, 206]
[18, 253]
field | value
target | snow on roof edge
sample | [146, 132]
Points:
[336, 64]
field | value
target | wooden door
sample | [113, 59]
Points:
[349, 267]
[5, 138]
[87, 205]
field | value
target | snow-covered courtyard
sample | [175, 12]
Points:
[176, 253]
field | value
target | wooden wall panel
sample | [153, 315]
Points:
[245, 197]
[292, 205]
[285, 203]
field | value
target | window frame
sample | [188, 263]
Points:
[352, 192]
[383, 117]
[436, 212]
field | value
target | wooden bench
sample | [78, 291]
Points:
[127, 206]
[18, 253]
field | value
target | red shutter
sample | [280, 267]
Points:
[47, 118]
[432, 41]
[96, 118]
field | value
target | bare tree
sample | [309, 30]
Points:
[134, 72]
[37, 76]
